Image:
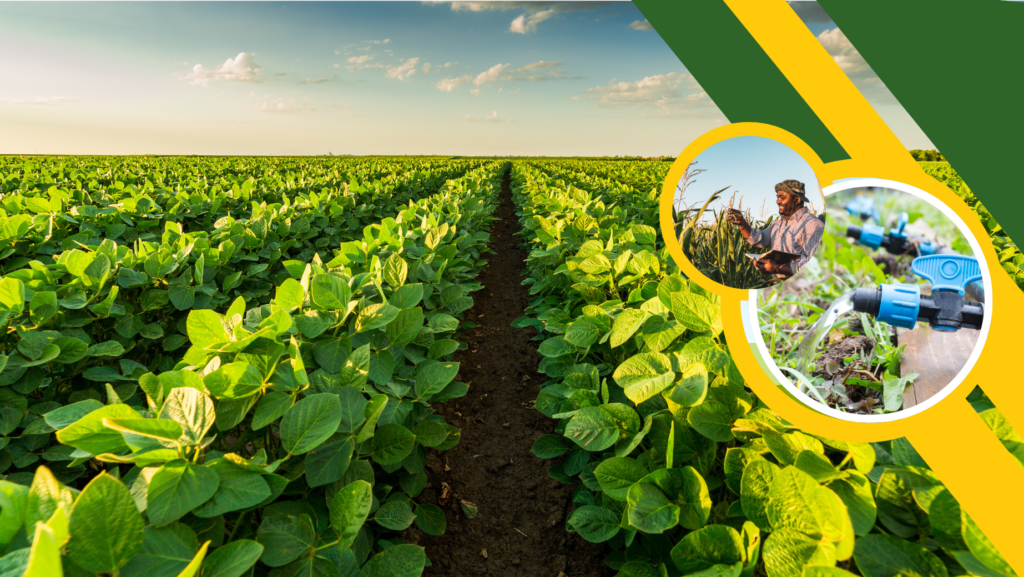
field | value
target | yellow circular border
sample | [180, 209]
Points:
[931, 421]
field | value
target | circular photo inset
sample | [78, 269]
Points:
[749, 212]
[888, 311]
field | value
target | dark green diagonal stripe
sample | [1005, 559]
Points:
[735, 71]
[956, 67]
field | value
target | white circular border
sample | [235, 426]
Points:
[758, 339]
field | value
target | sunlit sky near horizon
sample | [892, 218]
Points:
[750, 166]
[520, 78]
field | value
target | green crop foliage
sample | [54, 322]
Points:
[215, 366]
[1010, 257]
[680, 468]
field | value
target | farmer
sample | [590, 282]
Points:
[796, 231]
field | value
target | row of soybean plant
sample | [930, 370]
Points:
[680, 468]
[286, 426]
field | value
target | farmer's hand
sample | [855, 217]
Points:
[736, 217]
[767, 266]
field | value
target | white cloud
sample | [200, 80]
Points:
[854, 65]
[426, 68]
[536, 72]
[490, 75]
[407, 69]
[42, 101]
[641, 25]
[475, 92]
[540, 66]
[449, 84]
[385, 41]
[269, 104]
[361, 59]
[525, 24]
[533, 12]
[241, 68]
[664, 92]
[492, 117]
[516, 91]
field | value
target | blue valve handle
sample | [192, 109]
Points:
[897, 232]
[952, 272]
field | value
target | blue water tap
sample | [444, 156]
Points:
[944, 309]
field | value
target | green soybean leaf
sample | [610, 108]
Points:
[349, 510]
[289, 296]
[106, 528]
[395, 270]
[626, 325]
[713, 420]
[234, 381]
[162, 429]
[165, 551]
[887, 556]
[787, 551]
[177, 488]
[89, 434]
[396, 515]
[644, 376]
[329, 292]
[396, 561]
[327, 463]
[238, 489]
[707, 547]
[549, 447]
[232, 559]
[595, 524]
[430, 519]
[310, 422]
[617, 474]
[285, 538]
[755, 485]
[593, 429]
[191, 409]
[375, 316]
[432, 377]
[392, 443]
[206, 328]
[981, 547]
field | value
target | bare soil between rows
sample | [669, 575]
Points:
[520, 526]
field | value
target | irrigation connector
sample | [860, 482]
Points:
[895, 240]
[944, 310]
[863, 206]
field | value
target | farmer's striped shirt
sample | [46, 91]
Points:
[799, 234]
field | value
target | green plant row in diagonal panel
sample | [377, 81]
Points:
[679, 467]
[1010, 257]
[291, 432]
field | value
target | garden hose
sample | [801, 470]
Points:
[944, 310]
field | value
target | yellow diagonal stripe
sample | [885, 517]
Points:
[979, 472]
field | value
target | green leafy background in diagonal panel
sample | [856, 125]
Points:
[735, 72]
[956, 68]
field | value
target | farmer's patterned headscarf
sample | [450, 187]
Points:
[794, 187]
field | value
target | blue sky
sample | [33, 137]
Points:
[751, 166]
[532, 78]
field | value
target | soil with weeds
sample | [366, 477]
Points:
[519, 528]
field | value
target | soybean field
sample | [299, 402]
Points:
[401, 366]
